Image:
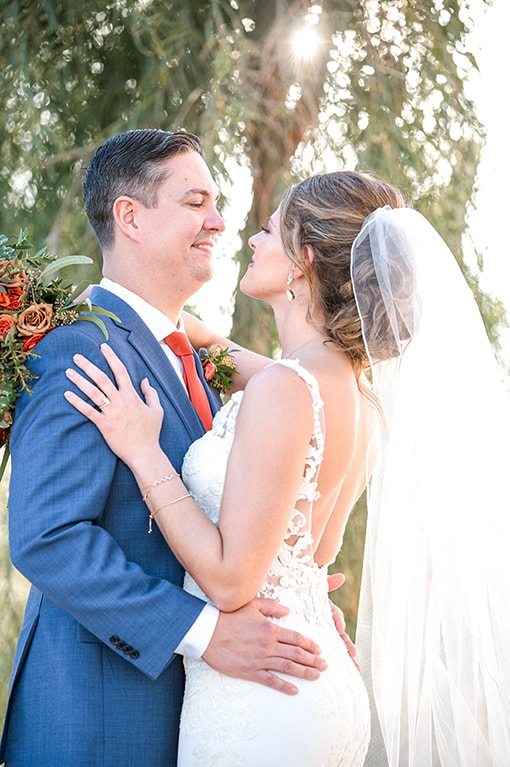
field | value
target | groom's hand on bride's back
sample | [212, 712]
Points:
[335, 580]
[247, 645]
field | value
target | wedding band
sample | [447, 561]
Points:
[104, 403]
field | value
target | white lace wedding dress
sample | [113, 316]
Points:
[234, 723]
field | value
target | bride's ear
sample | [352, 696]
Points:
[309, 256]
[309, 253]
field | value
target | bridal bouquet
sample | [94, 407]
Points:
[33, 301]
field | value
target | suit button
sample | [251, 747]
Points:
[124, 646]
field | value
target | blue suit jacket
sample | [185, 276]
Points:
[95, 682]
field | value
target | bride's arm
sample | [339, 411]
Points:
[248, 363]
[264, 473]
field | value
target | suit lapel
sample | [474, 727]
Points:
[146, 346]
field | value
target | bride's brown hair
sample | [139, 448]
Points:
[326, 212]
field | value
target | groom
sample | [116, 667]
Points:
[97, 678]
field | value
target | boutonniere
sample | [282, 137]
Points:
[33, 302]
[219, 366]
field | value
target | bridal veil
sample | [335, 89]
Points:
[434, 621]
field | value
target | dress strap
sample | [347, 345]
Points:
[317, 403]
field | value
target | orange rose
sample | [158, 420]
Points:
[31, 341]
[209, 369]
[11, 298]
[6, 323]
[35, 319]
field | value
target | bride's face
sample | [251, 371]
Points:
[267, 273]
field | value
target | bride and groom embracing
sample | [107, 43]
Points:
[255, 507]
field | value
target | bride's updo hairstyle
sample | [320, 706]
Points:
[326, 212]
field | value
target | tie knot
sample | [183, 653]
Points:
[179, 343]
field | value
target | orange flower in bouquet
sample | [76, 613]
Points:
[33, 301]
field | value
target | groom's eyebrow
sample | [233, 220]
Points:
[196, 190]
[201, 192]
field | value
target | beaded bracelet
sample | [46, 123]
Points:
[166, 478]
[152, 515]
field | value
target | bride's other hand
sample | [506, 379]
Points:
[127, 422]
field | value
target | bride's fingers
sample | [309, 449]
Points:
[90, 412]
[117, 367]
[103, 392]
[150, 394]
[103, 382]
[100, 381]
[95, 394]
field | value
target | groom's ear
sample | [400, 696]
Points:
[124, 214]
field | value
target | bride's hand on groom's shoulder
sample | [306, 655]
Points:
[129, 423]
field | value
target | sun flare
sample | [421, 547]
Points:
[305, 42]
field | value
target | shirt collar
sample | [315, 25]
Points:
[157, 322]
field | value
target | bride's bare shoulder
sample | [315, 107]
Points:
[277, 380]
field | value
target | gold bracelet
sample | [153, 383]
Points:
[152, 515]
[166, 478]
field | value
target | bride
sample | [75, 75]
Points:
[355, 281]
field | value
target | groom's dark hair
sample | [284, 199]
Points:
[130, 164]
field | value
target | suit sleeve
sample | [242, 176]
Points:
[78, 525]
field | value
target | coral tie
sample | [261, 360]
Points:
[181, 346]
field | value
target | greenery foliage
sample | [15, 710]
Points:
[382, 90]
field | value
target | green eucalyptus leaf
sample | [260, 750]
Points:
[5, 460]
[60, 263]
[104, 312]
[78, 290]
[100, 324]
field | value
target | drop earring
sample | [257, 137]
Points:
[289, 292]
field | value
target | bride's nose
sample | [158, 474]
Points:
[252, 240]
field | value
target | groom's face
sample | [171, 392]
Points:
[178, 234]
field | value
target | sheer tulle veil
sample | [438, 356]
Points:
[434, 621]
